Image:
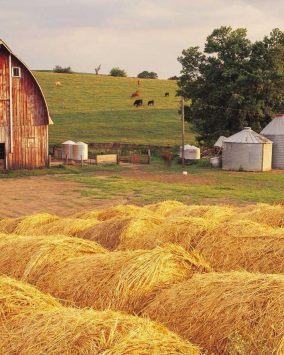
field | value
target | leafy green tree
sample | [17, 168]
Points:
[116, 71]
[147, 75]
[233, 83]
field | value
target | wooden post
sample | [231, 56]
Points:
[149, 156]
[66, 160]
[182, 132]
[49, 160]
[81, 160]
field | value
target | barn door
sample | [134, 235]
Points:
[2, 156]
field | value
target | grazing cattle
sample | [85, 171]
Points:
[57, 83]
[135, 94]
[167, 94]
[138, 103]
[151, 103]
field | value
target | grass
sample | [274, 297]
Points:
[99, 109]
[209, 187]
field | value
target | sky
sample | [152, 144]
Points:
[135, 35]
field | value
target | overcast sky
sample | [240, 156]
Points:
[135, 35]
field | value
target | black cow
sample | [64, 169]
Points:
[167, 94]
[138, 103]
[151, 103]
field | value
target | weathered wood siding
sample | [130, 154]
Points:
[29, 146]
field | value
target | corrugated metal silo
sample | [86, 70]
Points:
[275, 132]
[67, 150]
[80, 151]
[247, 151]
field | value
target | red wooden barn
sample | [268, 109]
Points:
[24, 116]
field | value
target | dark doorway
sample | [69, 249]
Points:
[2, 150]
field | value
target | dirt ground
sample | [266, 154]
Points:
[30, 195]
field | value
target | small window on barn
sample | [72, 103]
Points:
[16, 72]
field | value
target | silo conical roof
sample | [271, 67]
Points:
[247, 135]
[220, 141]
[275, 127]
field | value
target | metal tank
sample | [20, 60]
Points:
[190, 152]
[275, 132]
[247, 151]
[67, 150]
[80, 151]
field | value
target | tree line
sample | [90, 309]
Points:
[232, 83]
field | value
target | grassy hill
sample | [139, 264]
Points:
[99, 109]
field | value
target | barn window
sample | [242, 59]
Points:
[2, 150]
[16, 72]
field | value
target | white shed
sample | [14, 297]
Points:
[191, 152]
[247, 151]
[275, 132]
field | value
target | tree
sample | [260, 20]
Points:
[147, 75]
[97, 69]
[116, 71]
[175, 77]
[59, 69]
[233, 83]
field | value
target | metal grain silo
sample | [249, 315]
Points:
[247, 151]
[67, 150]
[275, 132]
[80, 151]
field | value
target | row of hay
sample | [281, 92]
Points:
[82, 273]
[34, 323]
[45, 224]
[227, 246]
[20, 255]
[226, 313]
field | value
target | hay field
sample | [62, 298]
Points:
[189, 279]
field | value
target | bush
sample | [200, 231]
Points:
[147, 75]
[116, 71]
[59, 69]
[173, 78]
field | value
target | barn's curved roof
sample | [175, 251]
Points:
[275, 127]
[247, 135]
[2, 43]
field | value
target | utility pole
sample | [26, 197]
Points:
[182, 132]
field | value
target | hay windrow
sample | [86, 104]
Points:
[119, 211]
[122, 233]
[272, 215]
[66, 226]
[20, 298]
[122, 280]
[244, 245]
[33, 323]
[225, 313]
[31, 224]
[27, 256]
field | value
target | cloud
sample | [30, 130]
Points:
[135, 35]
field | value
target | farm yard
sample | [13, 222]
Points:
[127, 258]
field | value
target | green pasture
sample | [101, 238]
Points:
[98, 108]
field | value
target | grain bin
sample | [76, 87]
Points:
[275, 132]
[80, 151]
[247, 151]
[190, 152]
[67, 149]
[219, 142]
